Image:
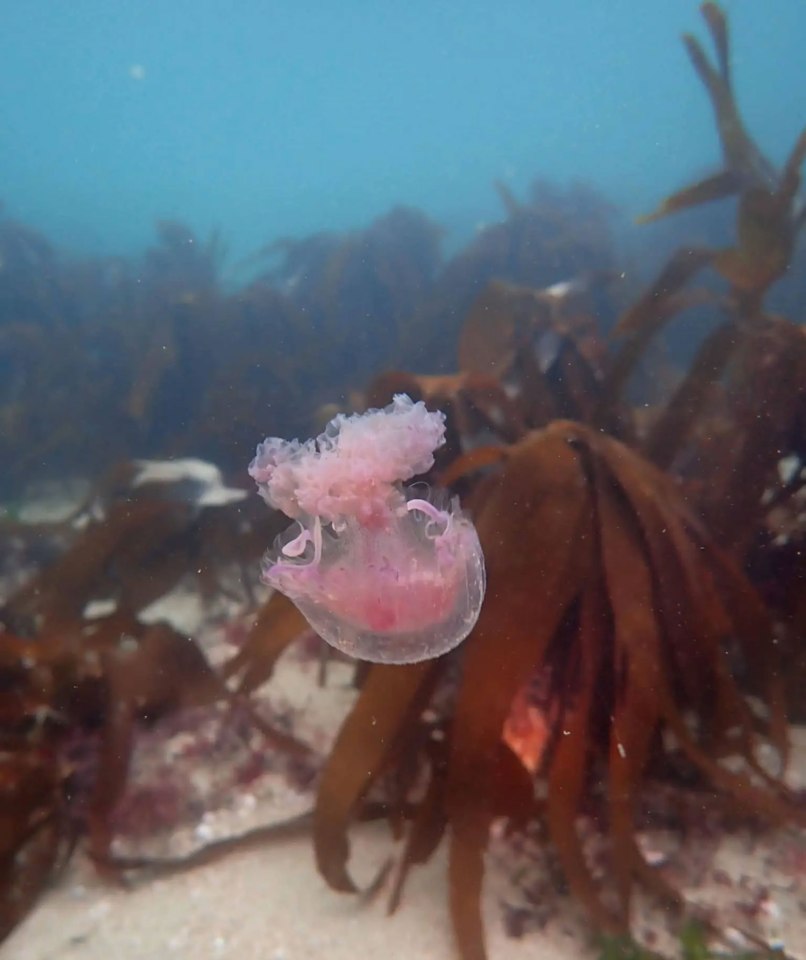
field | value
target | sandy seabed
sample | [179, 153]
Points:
[270, 904]
[267, 905]
[267, 901]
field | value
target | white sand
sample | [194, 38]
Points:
[269, 903]
[264, 904]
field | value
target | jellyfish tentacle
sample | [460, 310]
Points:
[296, 547]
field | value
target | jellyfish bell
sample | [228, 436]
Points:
[408, 590]
[380, 573]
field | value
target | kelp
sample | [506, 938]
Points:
[548, 342]
[80, 668]
[737, 350]
[766, 390]
[606, 576]
[525, 357]
[36, 836]
[559, 371]
[163, 357]
[553, 234]
[101, 677]
[665, 297]
[614, 540]
[601, 577]
[158, 359]
[28, 285]
[745, 164]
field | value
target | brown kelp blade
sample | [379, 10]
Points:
[570, 761]
[488, 339]
[694, 627]
[717, 24]
[745, 165]
[23, 876]
[31, 835]
[531, 526]
[278, 624]
[638, 675]
[753, 628]
[478, 459]
[682, 411]
[648, 311]
[379, 721]
[765, 243]
[694, 608]
[645, 319]
[131, 534]
[767, 388]
[514, 800]
[424, 833]
[740, 151]
[716, 187]
[156, 671]
[790, 177]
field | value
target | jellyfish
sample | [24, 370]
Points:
[382, 573]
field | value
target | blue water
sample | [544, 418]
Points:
[272, 118]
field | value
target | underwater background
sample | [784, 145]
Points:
[268, 119]
[544, 260]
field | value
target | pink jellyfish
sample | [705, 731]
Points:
[381, 573]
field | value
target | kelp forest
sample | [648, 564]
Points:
[629, 437]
